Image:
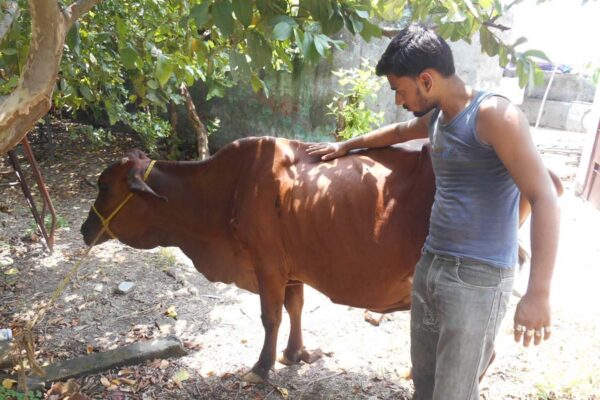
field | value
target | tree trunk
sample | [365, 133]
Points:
[32, 97]
[173, 145]
[197, 125]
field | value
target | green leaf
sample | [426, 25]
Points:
[12, 82]
[200, 13]
[539, 77]
[86, 93]
[243, 11]
[282, 31]
[334, 24]
[121, 29]
[73, 40]
[519, 41]
[445, 30]
[370, 31]
[215, 89]
[223, 14]
[9, 52]
[164, 69]
[306, 43]
[282, 26]
[321, 44]
[489, 44]
[503, 56]
[498, 6]
[259, 49]
[256, 83]
[472, 8]
[319, 9]
[537, 54]
[238, 63]
[357, 23]
[129, 57]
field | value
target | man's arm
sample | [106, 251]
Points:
[503, 125]
[385, 136]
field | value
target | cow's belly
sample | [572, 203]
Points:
[375, 286]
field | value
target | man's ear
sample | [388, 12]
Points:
[426, 79]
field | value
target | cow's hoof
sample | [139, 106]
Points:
[310, 358]
[302, 355]
[253, 378]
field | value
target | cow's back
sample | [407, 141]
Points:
[352, 228]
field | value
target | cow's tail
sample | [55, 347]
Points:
[523, 255]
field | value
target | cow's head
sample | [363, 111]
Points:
[115, 185]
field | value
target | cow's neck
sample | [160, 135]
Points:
[197, 218]
[198, 201]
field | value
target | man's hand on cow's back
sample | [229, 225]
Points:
[327, 151]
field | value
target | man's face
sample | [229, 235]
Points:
[409, 94]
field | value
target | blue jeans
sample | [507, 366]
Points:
[457, 308]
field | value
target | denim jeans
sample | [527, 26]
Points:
[457, 308]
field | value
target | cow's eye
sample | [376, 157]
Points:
[102, 187]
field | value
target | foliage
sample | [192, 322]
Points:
[97, 137]
[10, 394]
[462, 19]
[592, 69]
[349, 106]
[61, 222]
[125, 61]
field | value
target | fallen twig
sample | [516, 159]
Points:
[318, 380]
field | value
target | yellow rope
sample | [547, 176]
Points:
[24, 336]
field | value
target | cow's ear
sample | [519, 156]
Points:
[137, 184]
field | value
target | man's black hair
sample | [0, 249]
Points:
[413, 50]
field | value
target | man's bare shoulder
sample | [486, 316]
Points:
[498, 116]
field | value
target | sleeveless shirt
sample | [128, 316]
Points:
[476, 208]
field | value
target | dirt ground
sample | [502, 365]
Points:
[220, 324]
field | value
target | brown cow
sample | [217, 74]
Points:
[264, 215]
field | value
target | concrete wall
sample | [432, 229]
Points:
[568, 105]
[297, 104]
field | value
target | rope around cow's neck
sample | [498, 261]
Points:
[24, 336]
[106, 221]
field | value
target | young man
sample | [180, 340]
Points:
[484, 159]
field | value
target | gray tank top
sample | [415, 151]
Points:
[476, 209]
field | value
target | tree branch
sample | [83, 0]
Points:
[77, 9]
[198, 126]
[32, 97]
[10, 14]
[491, 24]
[389, 32]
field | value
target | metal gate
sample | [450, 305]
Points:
[591, 188]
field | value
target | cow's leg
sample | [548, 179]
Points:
[295, 351]
[271, 301]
